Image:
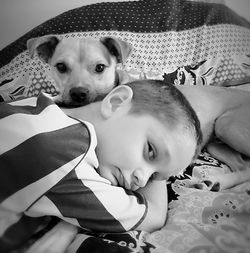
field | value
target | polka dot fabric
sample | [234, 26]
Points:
[181, 41]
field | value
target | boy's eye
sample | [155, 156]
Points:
[151, 151]
[61, 67]
[99, 68]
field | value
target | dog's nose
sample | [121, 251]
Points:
[79, 94]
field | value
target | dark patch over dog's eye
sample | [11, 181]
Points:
[61, 67]
[99, 68]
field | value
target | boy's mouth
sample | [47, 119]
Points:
[121, 180]
[116, 178]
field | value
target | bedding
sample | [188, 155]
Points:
[182, 42]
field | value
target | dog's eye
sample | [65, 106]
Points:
[61, 67]
[99, 68]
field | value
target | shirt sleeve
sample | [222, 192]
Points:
[35, 155]
[86, 199]
[93, 205]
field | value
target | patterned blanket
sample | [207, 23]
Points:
[183, 42]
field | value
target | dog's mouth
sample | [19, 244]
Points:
[73, 104]
[70, 104]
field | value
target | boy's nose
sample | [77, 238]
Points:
[140, 178]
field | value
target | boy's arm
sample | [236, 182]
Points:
[155, 193]
[97, 206]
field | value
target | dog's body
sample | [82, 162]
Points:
[83, 69]
[224, 113]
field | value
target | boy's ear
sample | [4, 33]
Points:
[117, 98]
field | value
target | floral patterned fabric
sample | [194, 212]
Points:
[182, 42]
[206, 221]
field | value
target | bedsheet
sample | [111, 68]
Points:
[183, 42]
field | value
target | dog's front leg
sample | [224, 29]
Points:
[233, 128]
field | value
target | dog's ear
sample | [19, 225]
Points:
[44, 46]
[119, 48]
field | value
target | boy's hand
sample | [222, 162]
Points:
[56, 240]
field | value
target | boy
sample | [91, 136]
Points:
[93, 166]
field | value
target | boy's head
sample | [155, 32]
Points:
[165, 102]
[145, 129]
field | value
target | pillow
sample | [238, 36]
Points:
[183, 42]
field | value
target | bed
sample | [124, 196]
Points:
[182, 42]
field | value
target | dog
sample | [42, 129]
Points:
[83, 69]
[224, 115]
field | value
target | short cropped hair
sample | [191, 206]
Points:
[165, 102]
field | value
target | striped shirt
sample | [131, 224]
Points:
[48, 168]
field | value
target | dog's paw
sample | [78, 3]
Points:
[207, 185]
[212, 186]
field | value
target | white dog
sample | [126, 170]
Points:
[83, 69]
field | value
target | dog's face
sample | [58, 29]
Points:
[83, 69]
